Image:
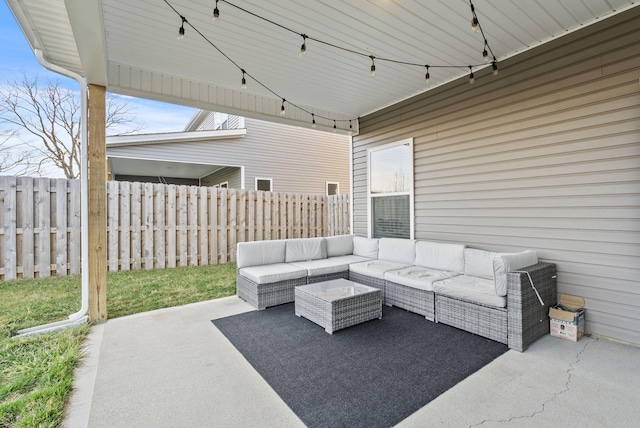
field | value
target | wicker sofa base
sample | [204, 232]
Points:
[261, 296]
[528, 319]
[412, 299]
[482, 320]
[368, 280]
[522, 322]
[328, 277]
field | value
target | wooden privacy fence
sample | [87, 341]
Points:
[151, 225]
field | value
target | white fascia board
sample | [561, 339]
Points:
[88, 30]
[174, 137]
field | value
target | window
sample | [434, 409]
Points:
[333, 188]
[264, 184]
[391, 190]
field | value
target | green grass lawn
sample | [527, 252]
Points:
[36, 373]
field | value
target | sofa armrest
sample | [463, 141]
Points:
[528, 319]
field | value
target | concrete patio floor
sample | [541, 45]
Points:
[173, 368]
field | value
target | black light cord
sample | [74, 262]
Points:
[306, 37]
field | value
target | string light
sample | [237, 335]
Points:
[216, 12]
[303, 48]
[487, 53]
[474, 19]
[181, 29]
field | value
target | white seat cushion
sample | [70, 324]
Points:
[375, 268]
[259, 253]
[349, 259]
[510, 262]
[479, 263]
[305, 249]
[470, 288]
[340, 245]
[440, 256]
[365, 247]
[323, 266]
[267, 274]
[417, 277]
[397, 250]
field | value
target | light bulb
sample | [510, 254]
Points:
[485, 56]
[427, 76]
[303, 48]
[313, 121]
[216, 12]
[373, 65]
[471, 76]
[282, 110]
[244, 83]
[334, 127]
[474, 24]
[494, 65]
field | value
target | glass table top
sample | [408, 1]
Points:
[336, 289]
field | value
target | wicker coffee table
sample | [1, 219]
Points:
[338, 304]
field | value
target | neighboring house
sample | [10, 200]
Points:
[222, 150]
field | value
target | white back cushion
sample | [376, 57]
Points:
[397, 250]
[260, 253]
[508, 263]
[365, 247]
[437, 255]
[479, 263]
[305, 249]
[341, 245]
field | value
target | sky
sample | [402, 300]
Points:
[16, 57]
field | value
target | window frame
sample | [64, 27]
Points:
[410, 192]
[326, 187]
[270, 180]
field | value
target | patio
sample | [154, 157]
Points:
[172, 367]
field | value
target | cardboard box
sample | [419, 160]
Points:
[567, 320]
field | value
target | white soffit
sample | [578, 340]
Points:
[134, 45]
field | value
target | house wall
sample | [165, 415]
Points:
[544, 156]
[231, 175]
[298, 160]
[150, 179]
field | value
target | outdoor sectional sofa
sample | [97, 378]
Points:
[502, 296]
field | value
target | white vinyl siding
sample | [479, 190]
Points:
[544, 156]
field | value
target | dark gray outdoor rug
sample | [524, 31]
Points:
[370, 375]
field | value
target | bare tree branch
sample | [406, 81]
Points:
[15, 158]
[47, 120]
